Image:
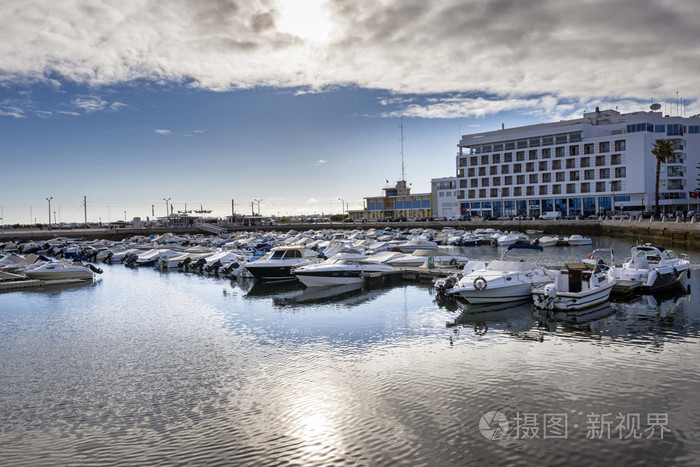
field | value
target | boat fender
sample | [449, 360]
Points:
[480, 283]
[652, 278]
[675, 271]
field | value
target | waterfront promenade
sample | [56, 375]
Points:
[683, 234]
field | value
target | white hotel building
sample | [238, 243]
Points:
[594, 164]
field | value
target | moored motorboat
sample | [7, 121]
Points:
[340, 270]
[577, 286]
[654, 268]
[502, 280]
[278, 264]
[578, 240]
[62, 270]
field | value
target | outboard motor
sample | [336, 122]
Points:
[94, 269]
[214, 266]
[230, 268]
[131, 260]
[185, 263]
[108, 257]
[200, 263]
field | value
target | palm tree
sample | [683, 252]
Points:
[663, 151]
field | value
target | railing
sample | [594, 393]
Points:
[212, 229]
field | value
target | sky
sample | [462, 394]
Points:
[296, 106]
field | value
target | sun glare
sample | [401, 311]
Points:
[308, 19]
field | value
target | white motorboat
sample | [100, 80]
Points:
[417, 244]
[502, 280]
[61, 270]
[278, 264]
[548, 240]
[578, 240]
[655, 267]
[339, 270]
[420, 257]
[577, 286]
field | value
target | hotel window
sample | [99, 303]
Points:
[520, 156]
[599, 161]
[508, 157]
[460, 173]
[616, 159]
[616, 185]
[589, 174]
[574, 150]
[520, 179]
[496, 181]
[484, 182]
[463, 183]
[496, 158]
[471, 194]
[574, 176]
[571, 163]
[570, 188]
[674, 130]
[493, 193]
[493, 170]
[474, 183]
[482, 171]
[510, 144]
[505, 169]
[657, 128]
[533, 155]
[517, 168]
[473, 160]
[675, 185]
[546, 153]
[522, 143]
[560, 151]
[562, 139]
[482, 193]
[620, 145]
[560, 176]
[530, 191]
[534, 142]
[486, 148]
[508, 180]
[599, 187]
[498, 146]
[543, 189]
[604, 173]
[546, 177]
[530, 167]
[585, 162]
[585, 188]
[517, 191]
[505, 192]
[470, 172]
[543, 166]
[484, 160]
[604, 146]
[575, 137]
[588, 148]
[556, 165]
[463, 162]
[547, 140]
[533, 178]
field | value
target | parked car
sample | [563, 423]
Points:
[621, 216]
[647, 214]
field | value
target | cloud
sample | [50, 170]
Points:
[163, 132]
[312, 201]
[509, 50]
[320, 161]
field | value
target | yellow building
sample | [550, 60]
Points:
[397, 202]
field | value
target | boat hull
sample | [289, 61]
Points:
[271, 273]
[566, 301]
[329, 278]
[495, 294]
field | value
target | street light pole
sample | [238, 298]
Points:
[258, 201]
[49, 200]
[342, 206]
[167, 201]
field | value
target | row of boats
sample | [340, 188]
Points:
[330, 258]
[575, 286]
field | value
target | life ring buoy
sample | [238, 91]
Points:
[481, 328]
[480, 283]
[590, 255]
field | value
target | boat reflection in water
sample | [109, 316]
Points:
[348, 294]
[512, 318]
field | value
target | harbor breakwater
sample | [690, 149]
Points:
[676, 234]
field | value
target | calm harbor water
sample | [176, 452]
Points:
[149, 367]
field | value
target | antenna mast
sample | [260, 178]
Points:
[403, 172]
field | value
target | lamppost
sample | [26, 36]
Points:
[258, 201]
[167, 201]
[342, 206]
[49, 200]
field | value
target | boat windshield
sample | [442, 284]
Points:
[510, 266]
